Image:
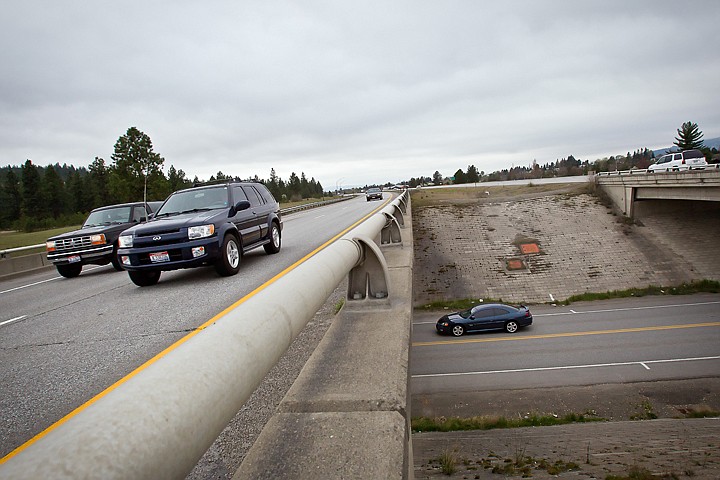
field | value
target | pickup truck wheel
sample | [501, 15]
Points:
[144, 278]
[116, 261]
[70, 270]
[229, 261]
[275, 240]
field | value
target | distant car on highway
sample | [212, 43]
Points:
[373, 194]
[491, 316]
[96, 242]
[679, 161]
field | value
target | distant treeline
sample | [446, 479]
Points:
[34, 197]
[566, 167]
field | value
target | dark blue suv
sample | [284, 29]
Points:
[204, 225]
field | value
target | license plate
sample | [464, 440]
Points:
[73, 259]
[159, 257]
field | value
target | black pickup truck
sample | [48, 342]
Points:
[96, 241]
[204, 225]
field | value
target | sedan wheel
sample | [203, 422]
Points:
[458, 330]
[511, 327]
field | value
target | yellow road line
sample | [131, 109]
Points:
[185, 338]
[567, 334]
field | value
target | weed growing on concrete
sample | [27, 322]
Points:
[339, 305]
[646, 412]
[635, 473]
[447, 462]
[452, 424]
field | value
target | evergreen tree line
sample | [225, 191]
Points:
[34, 197]
[688, 137]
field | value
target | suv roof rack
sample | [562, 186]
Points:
[219, 181]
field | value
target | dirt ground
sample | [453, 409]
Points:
[463, 239]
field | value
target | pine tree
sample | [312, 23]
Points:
[689, 136]
[31, 195]
[134, 163]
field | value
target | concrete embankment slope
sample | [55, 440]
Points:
[538, 246]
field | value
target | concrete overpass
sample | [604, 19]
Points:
[632, 191]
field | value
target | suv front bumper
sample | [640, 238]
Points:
[179, 255]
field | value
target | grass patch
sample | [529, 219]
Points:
[635, 473]
[339, 305]
[454, 424]
[16, 239]
[700, 286]
[701, 413]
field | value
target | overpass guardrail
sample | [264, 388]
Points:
[160, 419]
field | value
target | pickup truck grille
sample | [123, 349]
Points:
[72, 243]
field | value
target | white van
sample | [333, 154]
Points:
[676, 162]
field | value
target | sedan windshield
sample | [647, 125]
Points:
[195, 200]
[465, 313]
[108, 216]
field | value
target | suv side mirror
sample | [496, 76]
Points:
[242, 205]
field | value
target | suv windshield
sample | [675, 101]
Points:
[195, 200]
[108, 216]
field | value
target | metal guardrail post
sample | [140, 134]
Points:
[160, 419]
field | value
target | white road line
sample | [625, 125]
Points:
[12, 320]
[29, 285]
[88, 269]
[566, 367]
[610, 310]
[652, 307]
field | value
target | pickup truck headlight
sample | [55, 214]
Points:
[50, 246]
[125, 241]
[98, 239]
[201, 231]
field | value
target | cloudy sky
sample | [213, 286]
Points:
[354, 93]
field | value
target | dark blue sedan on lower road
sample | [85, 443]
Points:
[491, 316]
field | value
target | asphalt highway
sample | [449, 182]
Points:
[63, 341]
[616, 341]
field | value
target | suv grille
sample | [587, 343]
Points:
[71, 243]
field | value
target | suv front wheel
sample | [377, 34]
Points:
[229, 261]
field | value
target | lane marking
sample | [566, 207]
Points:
[184, 339]
[47, 280]
[12, 320]
[610, 310]
[566, 367]
[566, 334]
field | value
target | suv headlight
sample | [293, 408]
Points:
[125, 241]
[201, 231]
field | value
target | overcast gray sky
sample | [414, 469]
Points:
[354, 92]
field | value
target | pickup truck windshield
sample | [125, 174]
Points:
[108, 216]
